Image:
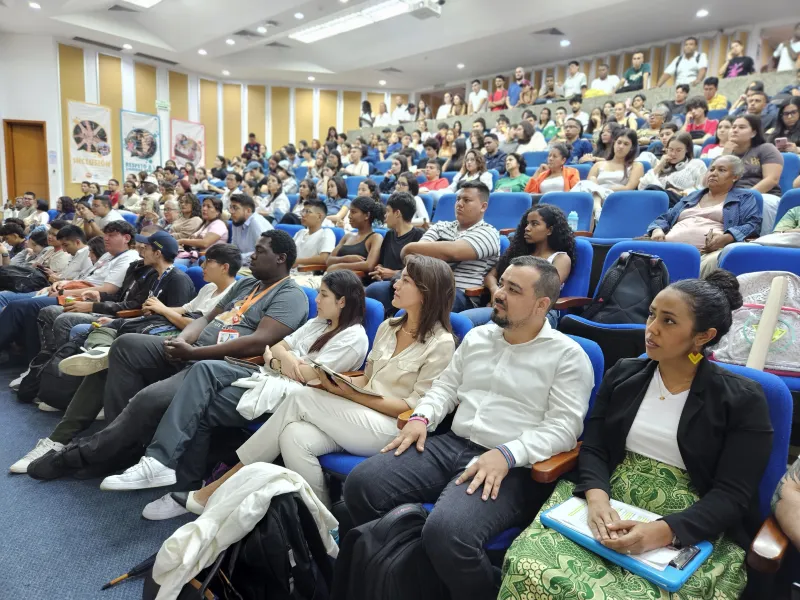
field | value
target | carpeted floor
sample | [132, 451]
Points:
[64, 539]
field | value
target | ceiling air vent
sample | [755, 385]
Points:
[98, 44]
[551, 31]
[247, 34]
[155, 58]
[120, 8]
[390, 70]
[276, 45]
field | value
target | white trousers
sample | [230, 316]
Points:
[313, 422]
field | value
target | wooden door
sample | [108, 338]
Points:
[26, 158]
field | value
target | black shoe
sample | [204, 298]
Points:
[180, 497]
[50, 466]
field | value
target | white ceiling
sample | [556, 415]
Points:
[487, 35]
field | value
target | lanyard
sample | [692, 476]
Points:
[156, 291]
[238, 312]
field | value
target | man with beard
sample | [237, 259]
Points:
[248, 225]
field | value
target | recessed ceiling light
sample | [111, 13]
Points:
[460, 66]
[35, 5]
[127, 47]
[702, 13]
[299, 16]
[343, 1]
[311, 78]
[382, 82]
[202, 52]
[565, 43]
[226, 72]
[230, 42]
[261, 29]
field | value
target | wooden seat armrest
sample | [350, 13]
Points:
[768, 547]
[508, 231]
[311, 268]
[571, 302]
[548, 471]
[256, 360]
[129, 314]
[360, 274]
[475, 292]
[583, 233]
[402, 418]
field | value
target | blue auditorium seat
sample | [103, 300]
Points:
[534, 159]
[580, 202]
[446, 209]
[790, 199]
[130, 218]
[791, 169]
[627, 214]
[583, 169]
[505, 209]
[352, 182]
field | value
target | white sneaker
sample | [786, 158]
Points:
[147, 473]
[43, 406]
[163, 508]
[101, 416]
[43, 446]
[15, 383]
[90, 361]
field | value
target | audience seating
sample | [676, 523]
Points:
[352, 182]
[377, 178]
[196, 275]
[583, 169]
[130, 217]
[716, 115]
[426, 200]
[495, 176]
[288, 228]
[505, 209]
[293, 198]
[791, 169]
[534, 159]
[52, 214]
[627, 214]
[300, 173]
[449, 175]
[581, 202]
[790, 199]
[446, 209]
[382, 166]
[311, 294]
[753, 258]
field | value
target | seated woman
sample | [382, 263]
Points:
[200, 183]
[723, 135]
[786, 135]
[629, 121]
[711, 218]
[213, 231]
[337, 202]
[618, 173]
[678, 172]
[275, 204]
[407, 182]
[474, 167]
[358, 251]
[458, 109]
[529, 139]
[408, 354]
[763, 165]
[216, 393]
[399, 165]
[515, 179]
[545, 119]
[189, 219]
[554, 176]
[596, 121]
[476, 141]
[638, 448]
[66, 209]
[543, 231]
[604, 143]
[458, 151]
[40, 218]
[369, 189]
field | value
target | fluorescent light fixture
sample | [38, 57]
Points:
[312, 78]
[226, 72]
[261, 29]
[230, 42]
[127, 47]
[702, 13]
[202, 52]
[565, 43]
[460, 66]
[299, 16]
[382, 82]
[143, 3]
[355, 20]
[35, 5]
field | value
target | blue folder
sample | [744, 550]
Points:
[670, 579]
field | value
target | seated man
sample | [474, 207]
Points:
[520, 391]
[315, 242]
[13, 237]
[431, 149]
[758, 104]
[715, 100]
[469, 243]
[433, 178]
[786, 503]
[495, 158]
[677, 107]
[604, 83]
[219, 270]
[145, 371]
[248, 225]
[96, 219]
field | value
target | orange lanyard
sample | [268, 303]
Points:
[251, 300]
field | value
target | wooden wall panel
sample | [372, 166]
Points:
[72, 85]
[232, 119]
[327, 111]
[179, 96]
[537, 80]
[352, 110]
[256, 111]
[145, 79]
[209, 116]
[561, 74]
[613, 64]
[656, 64]
[279, 117]
[110, 76]
[627, 61]
[375, 99]
[304, 115]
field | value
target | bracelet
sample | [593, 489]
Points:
[508, 456]
[418, 418]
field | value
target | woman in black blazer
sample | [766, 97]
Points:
[673, 434]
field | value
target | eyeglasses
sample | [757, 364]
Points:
[401, 184]
[791, 113]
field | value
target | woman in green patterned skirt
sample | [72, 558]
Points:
[673, 434]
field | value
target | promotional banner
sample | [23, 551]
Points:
[90, 154]
[188, 143]
[141, 141]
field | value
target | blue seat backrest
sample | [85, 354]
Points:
[534, 159]
[52, 213]
[293, 198]
[288, 228]
[445, 209]
[428, 202]
[627, 214]
[581, 202]
[716, 115]
[707, 160]
[753, 258]
[383, 165]
[495, 176]
[385, 198]
[130, 217]
[449, 175]
[372, 319]
[790, 199]
[583, 170]
[312, 302]
[421, 177]
[460, 324]
[709, 141]
[506, 209]
[300, 173]
[338, 233]
[640, 122]
[577, 284]
[352, 184]
[196, 275]
[504, 243]
[645, 165]
[595, 355]
[529, 171]
[791, 169]
[377, 178]
[682, 260]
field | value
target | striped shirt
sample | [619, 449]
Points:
[483, 238]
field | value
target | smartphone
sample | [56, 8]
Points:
[684, 557]
[780, 142]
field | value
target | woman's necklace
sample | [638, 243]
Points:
[408, 333]
[662, 386]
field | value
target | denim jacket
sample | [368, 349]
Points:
[741, 215]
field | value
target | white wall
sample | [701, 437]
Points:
[29, 91]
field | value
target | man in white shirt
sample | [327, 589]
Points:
[400, 112]
[575, 82]
[787, 52]
[100, 215]
[690, 67]
[232, 182]
[444, 110]
[357, 166]
[315, 242]
[478, 99]
[604, 82]
[520, 391]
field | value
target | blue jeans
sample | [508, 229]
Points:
[18, 323]
[383, 292]
[79, 329]
[7, 297]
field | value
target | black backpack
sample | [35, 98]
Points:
[282, 558]
[385, 559]
[47, 382]
[22, 279]
[627, 289]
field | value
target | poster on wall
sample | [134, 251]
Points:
[188, 143]
[90, 153]
[141, 142]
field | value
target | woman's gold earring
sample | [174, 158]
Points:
[695, 357]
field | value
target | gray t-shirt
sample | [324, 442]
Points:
[753, 159]
[286, 303]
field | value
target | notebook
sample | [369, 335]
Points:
[570, 519]
[342, 379]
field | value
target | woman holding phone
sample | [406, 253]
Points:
[786, 135]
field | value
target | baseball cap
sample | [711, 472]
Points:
[162, 241]
[151, 179]
[286, 166]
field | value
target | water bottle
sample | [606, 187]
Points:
[572, 220]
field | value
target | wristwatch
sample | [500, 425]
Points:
[275, 364]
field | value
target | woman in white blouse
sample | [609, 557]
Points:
[474, 167]
[275, 204]
[444, 110]
[383, 118]
[407, 356]
[677, 171]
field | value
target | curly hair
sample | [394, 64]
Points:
[373, 209]
[561, 240]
